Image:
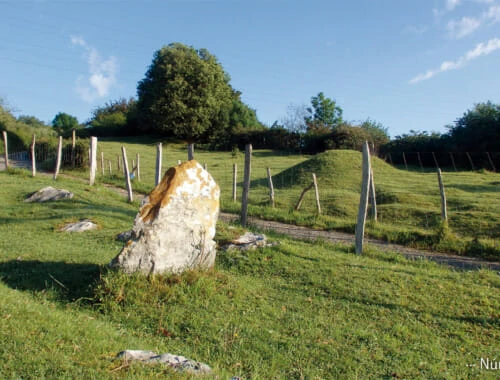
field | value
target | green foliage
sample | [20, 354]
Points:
[64, 122]
[324, 114]
[20, 131]
[185, 93]
[7, 120]
[378, 134]
[478, 129]
[32, 121]
[113, 119]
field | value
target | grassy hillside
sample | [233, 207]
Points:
[408, 201]
[296, 310]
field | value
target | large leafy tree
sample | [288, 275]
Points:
[185, 93]
[478, 129]
[323, 115]
[64, 122]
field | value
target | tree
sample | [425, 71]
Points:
[323, 115]
[378, 134]
[64, 122]
[295, 117]
[32, 121]
[241, 115]
[6, 117]
[113, 118]
[185, 93]
[478, 130]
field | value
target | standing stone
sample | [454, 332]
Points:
[175, 227]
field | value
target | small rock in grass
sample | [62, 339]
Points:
[249, 241]
[82, 225]
[177, 362]
[49, 194]
[124, 236]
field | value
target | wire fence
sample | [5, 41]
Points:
[409, 196]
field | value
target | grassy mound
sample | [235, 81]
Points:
[331, 167]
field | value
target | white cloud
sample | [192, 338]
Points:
[452, 4]
[77, 40]
[493, 13]
[463, 27]
[101, 75]
[480, 50]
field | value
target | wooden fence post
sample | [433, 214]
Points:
[444, 214]
[390, 159]
[453, 161]
[316, 192]
[246, 184]
[179, 162]
[6, 149]
[110, 169]
[33, 156]
[118, 162]
[138, 171]
[470, 160]
[435, 160]
[271, 187]
[127, 175]
[190, 152]
[363, 201]
[235, 175]
[404, 160]
[159, 153]
[58, 159]
[73, 144]
[373, 196]
[420, 161]
[205, 166]
[93, 159]
[102, 163]
[491, 161]
[301, 198]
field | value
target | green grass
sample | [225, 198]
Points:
[296, 310]
[408, 201]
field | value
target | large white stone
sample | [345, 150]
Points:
[175, 227]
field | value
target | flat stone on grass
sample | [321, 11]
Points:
[49, 193]
[80, 226]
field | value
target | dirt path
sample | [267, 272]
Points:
[305, 233]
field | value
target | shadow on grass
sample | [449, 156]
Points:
[487, 188]
[68, 281]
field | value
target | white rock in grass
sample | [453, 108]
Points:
[248, 242]
[49, 194]
[82, 225]
[177, 362]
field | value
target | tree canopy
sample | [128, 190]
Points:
[185, 93]
[113, 118]
[324, 114]
[478, 129]
[64, 122]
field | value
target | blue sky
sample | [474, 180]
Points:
[408, 64]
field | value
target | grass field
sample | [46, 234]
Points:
[293, 311]
[408, 201]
